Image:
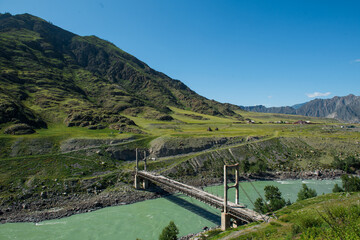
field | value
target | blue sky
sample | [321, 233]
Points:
[246, 52]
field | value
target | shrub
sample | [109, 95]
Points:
[295, 229]
[306, 193]
[273, 196]
[259, 206]
[349, 164]
[245, 165]
[350, 183]
[170, 232]
[276, 204]
[337, 188]
[309, 221]
[260, 166]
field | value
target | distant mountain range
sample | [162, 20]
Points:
[346, 109]
[50, 75]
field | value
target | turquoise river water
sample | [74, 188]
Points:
[145, 220]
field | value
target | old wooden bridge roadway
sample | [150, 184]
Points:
[230, 212]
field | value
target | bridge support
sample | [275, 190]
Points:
[145, 183]
[225, 218]
[137, 180]
[140, 183]
[236, 223]
[225, 221]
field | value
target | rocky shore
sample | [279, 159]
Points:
[38, 210]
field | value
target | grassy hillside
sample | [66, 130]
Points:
[330, 216]
[49, 75]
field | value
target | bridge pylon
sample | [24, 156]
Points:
[225, 216]
[138, 181]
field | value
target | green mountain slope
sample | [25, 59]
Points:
[50, 75]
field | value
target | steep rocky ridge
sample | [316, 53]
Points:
[343, 108]
[346, 109]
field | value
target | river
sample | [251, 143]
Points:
[145, 220]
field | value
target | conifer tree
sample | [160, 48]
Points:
[170, 232]
[306, 193]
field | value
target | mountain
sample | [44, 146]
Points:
[50, 75]
[346, 109]
[262, 108]
[297, 106]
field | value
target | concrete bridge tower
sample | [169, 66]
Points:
[138, 180]
[225, 216]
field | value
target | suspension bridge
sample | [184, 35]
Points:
[230, 212]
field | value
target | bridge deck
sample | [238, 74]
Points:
[235, 210]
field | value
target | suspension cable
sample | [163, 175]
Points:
[267, 205]
[251, 200]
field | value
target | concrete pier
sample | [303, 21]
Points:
[225, 221]
[145, 184]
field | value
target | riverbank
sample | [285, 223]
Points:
[55, 207]
[269, 176]
[65, 206]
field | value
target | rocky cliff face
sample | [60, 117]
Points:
[346, 109]
[342, 108]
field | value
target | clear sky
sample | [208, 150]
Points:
[246, 52]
